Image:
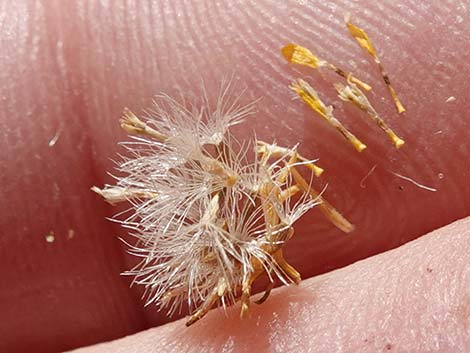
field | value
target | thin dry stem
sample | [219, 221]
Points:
[327, 209]
[414, 182]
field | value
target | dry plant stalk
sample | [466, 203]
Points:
[208, 221]
[363, 40]
[311, 98]
[351, 93]
[297, 54]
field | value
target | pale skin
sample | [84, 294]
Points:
[71, 69]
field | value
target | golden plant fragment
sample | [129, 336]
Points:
[277, 232]
[326, 208]
[301, 184]
[272, 150]
[113, 195]
[297, 54]
[351, 93]
[363, 40]
[133, 125]
[310, 97]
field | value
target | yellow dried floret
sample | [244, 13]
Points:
[363, 40]
[351, 93]
[310, 96]
[297, 54]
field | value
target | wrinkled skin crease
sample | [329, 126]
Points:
[69, 69]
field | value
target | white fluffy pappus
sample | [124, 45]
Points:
[209, 214]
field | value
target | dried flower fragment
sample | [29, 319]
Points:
[363, 40]
[208, 219]
[297, 54]
[310, 97]
[133, 125]
[351, 93]
[326, 208]
[114, 195]
[275, 151]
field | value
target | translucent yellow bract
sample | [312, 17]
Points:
[297, 54]
[300, 55]
[360, 36]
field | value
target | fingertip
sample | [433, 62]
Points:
[408, 298]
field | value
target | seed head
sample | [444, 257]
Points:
[210, 214]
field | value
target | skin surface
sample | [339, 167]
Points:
[68, 69]
[412, 299]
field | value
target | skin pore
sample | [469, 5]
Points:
[68, 70]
